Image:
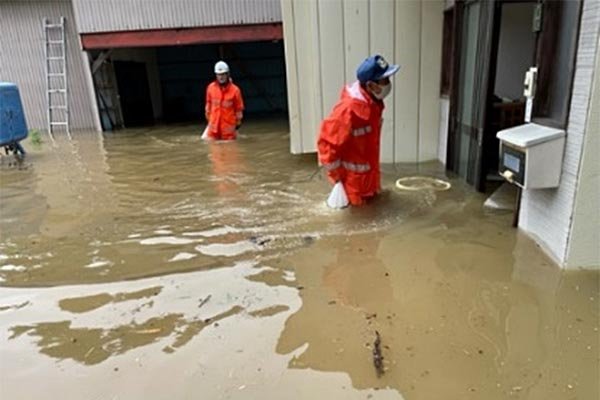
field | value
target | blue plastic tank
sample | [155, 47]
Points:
[13, 127]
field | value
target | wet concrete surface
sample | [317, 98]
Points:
[148, 264]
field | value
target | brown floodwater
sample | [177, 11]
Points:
[146, 263]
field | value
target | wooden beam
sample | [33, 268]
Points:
[180, 37]
[100, 60]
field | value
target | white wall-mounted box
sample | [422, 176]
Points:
[531, 155]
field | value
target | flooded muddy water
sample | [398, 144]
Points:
[146, 263]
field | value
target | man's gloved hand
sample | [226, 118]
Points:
[238, 125]
[207, 116]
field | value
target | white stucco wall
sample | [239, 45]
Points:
[326, 40]
[547, 214]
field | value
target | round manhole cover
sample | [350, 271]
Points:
[422, 183]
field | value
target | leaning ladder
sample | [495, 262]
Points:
[57, 92]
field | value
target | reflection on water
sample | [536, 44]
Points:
[94, 345]
[88, 303]
[148, 251]
[119, 206]
[463, 305]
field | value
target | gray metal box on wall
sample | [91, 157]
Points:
[531, 155]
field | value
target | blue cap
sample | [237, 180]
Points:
[375, 68]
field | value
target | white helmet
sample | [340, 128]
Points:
[221, 68]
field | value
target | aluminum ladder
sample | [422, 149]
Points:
[57, 92]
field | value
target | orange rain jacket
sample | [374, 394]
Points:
[349, 144]
[224, 110]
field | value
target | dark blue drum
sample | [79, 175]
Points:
[13, 127]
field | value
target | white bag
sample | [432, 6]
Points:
[205, 134]
[337, 198]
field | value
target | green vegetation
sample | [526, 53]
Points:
[35, 138]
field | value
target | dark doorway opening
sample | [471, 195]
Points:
[134, 93]
[167, 85]
[513, 53]
[495, 43]
[258, 68]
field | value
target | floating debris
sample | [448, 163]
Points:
[377, 356]
[308, 239]
[260, 241]
[204, 301]
[416, 183]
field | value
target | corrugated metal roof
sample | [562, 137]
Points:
[22, 59]
[119, 15]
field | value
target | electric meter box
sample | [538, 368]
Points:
[531, 155]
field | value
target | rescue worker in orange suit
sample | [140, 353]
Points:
[349, 139]
[224, 105]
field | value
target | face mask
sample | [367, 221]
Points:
[385, 90]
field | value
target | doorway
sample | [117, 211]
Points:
[513, 53]
[167, 84]
[134, 93]
[472, 37]
[496, 42]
